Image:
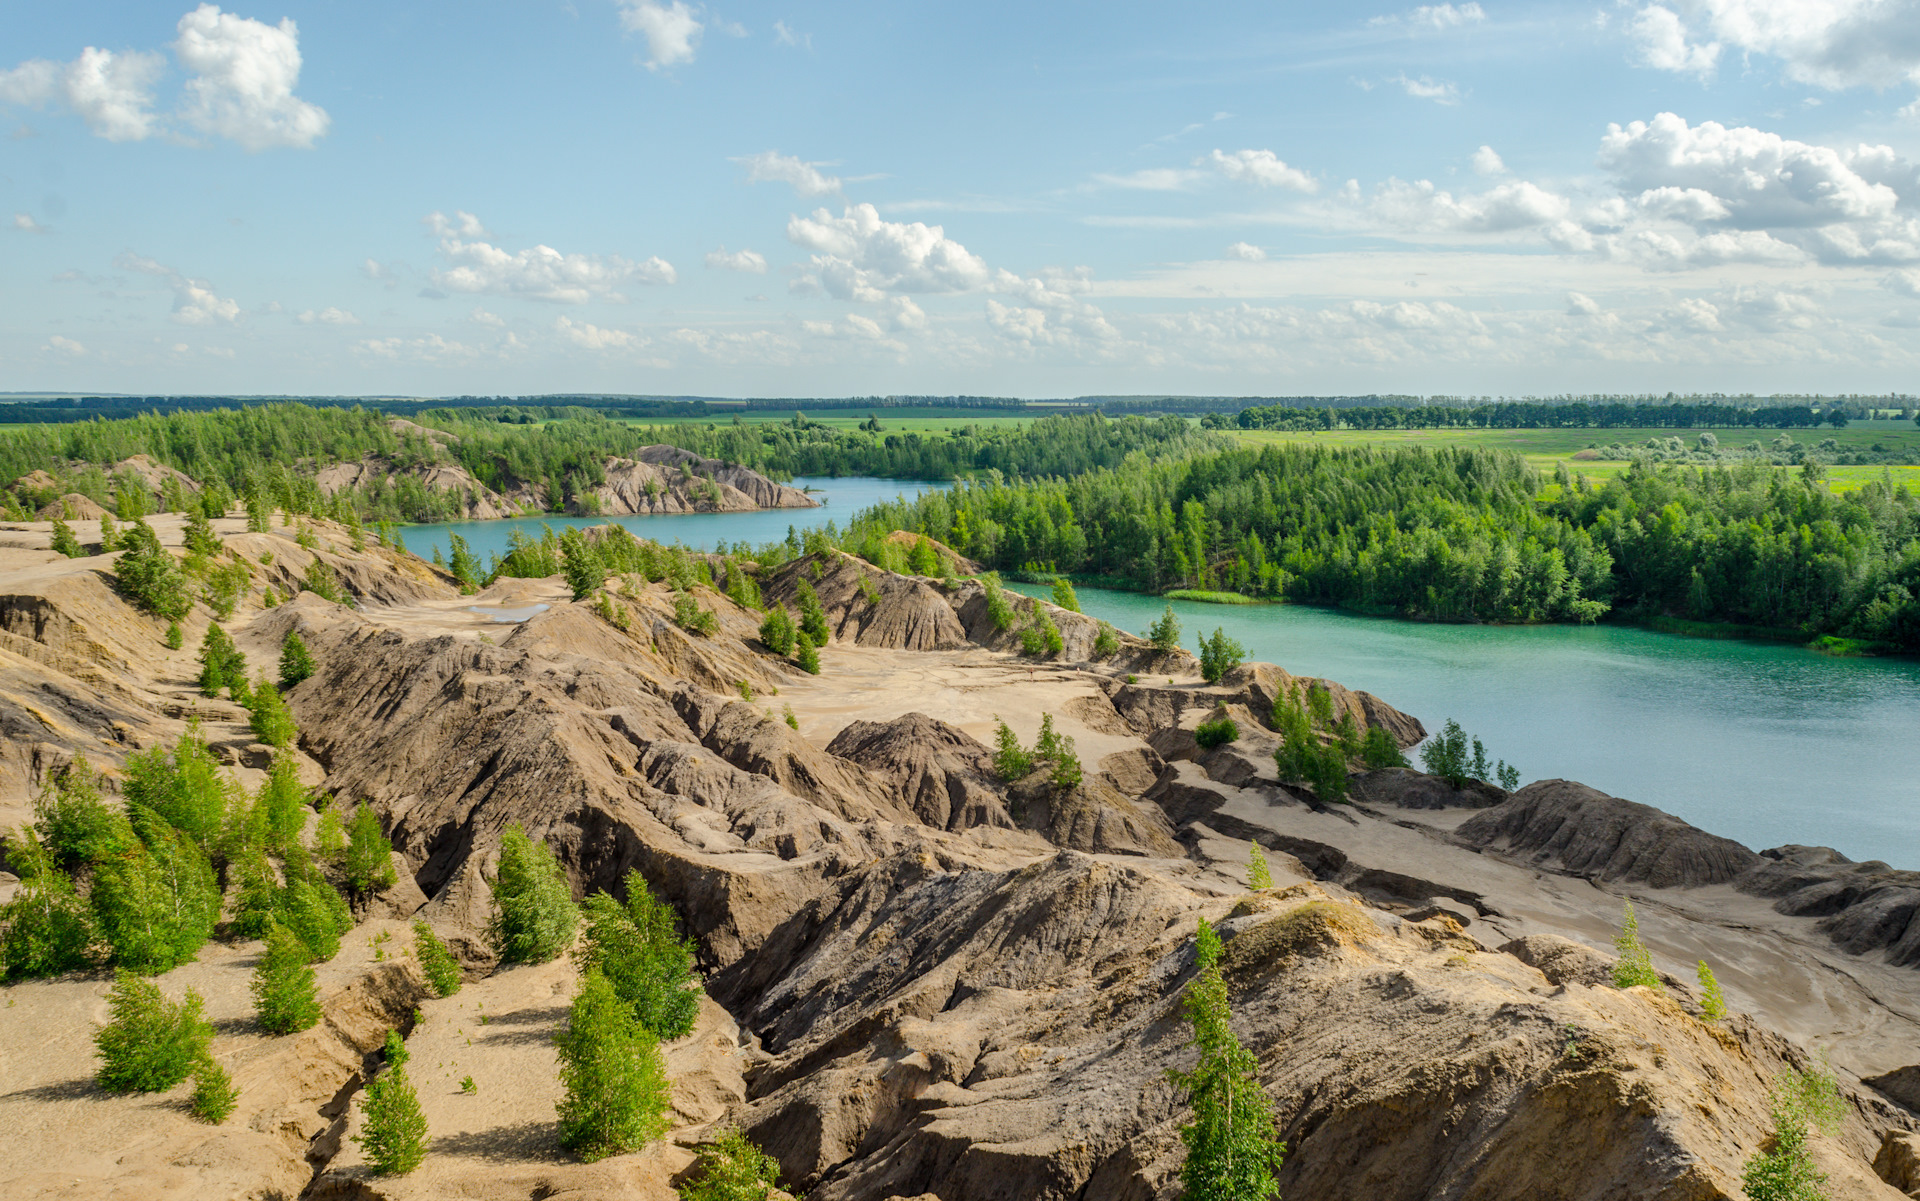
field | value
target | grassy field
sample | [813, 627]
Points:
[1545, 448]
[892, 421]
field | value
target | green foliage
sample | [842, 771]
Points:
[73, 820]
[585, 569]
[330, 837]
[1164, 633]
[368, 866]
[999, 609]
[109, 535]
[1064, 596]
[689, 616]
[807, 654]
[617, 1093]
[534, 914]
[182, 785]
[286, 998]
[199, 536]
[1051, 750]
[316, 913]
[1106, 643]
[226, 584]
[296, 662]
[1259, 873]
[157, 901]
[214, 1096]
[271, 722]
[282, 803]
[221, 663]
[1218, 732]
[1219, 655]
[253, 904]
[636, 947]
[1379, 750]
[150, 1044]
[149, 576]
[1010, 760]
[46, 929]
[1041, 636]
[320, 580]
[813, 617]
[1634, 965]
[1233, 1147]
[1446, 755]
[1304, 755]
[436, 962]
[1713, 1002]
[786, 714]
[925, 560]
[393, 1130]
[1067, 772]
[777, 630]
[1785, 1171]
[462, 564]
[732, 1169]
[64, 543]
[175, 637]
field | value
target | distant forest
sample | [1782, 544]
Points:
[1534, 415]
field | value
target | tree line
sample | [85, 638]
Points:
[1529, 415]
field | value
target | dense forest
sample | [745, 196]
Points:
[1457, 534]
[1530, 415]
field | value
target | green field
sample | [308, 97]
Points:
[1545, 448]
[892, 421]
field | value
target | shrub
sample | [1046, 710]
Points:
[1713, 1002]
[214, 1096]
[1379, 750]
[64, 543]
[615, 1079]
[149, 1045]
[1064, 596]
[1165, 632]
[285, 996]
[1259, 873]
[1106, 643]
[689, 616]
[369, 859]
[316, 913]
[777, 630]
[74, 822]
[330, 837]
[999, 608]
[786, 713]
[807, 655]
[320, 580]
[271, 722]
[157, 901]
[732, 1169]
[436, 962]
[149, 576]
[296, 662]
[393, 1131]
[534, 914]
[46, 929]
[1635, 965]
[1217, 732]
[1041, 637]
[813, 617]
[1232, 1146]
[1445, 754]
[585, 569]
[462, 565]
[1067, 772]
[636, 947]
[175, 638]
[1010, 760]
[1219, 655]
[1787, 1172]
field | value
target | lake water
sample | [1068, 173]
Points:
[1764, 743]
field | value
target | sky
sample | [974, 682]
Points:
[515, 197]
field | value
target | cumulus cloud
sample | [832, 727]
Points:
[1262, 167]
[112, 93]
[1426, 88]
[1829, 43]
[431, 349]
[480, 316]
[194, 301]
[1661, 41]
[539, 273]
[327, 316]
[1424, 206]
[592, 337]
[26, 224]
[1907, 283]
[1486, 161]
[66, 346]
[1579, 304]
[1246, 252]
[750, 261]
[1049, 310]
[770, 166]
[672, 30]
[244, 75]
[859, 256]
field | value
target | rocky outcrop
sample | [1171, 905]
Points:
[477, 501]
[1404, 788]
[944, 776]
[867, 606]
[71, 507]
[666, 479]
[1867, 908]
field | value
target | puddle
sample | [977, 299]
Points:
[514, 614]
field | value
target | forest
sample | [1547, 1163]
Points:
[1528, 415]
[1455, 534]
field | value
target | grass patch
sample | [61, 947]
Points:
[1716, 629]
[1310, 929]
[1212, 598]
[1850, 648]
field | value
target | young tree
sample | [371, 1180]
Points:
[183, 785]
[1164, 633]
[462, 564]
[282, 803]
[1010, 760]
[393, 1130]
[777, 630]
[813, 616]
[221, 663]
[1218, 732]
[1232, 1146]
[1713, 1002]
[109, 535]
[732, 1169]
[46, 929]
[214, 1096]
[64, 542]
[369, 859]
[616, 1081]
[315, 912]
[637, 948]
[149, 1045]
[73, 820]
[999, 608]
[286, 998]
[585, 569]
[1786, 1171]
[175, 637]
[534, 914]
[807, 654]
[1379, 750]
[149, 575]
[157, 902]
[1635, 964]
[1063, 594]
[271, 722]
[436, 962]
[296, 662]
[925, 560]
[253, 904]
[1106, 643]
[1219, 655]
[199, 536]
[1445, 755]
[1259, 874]
[1041, 637]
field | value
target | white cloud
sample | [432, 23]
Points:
[1696, 313]
[66, 346]
[1427, 88]
[1828, 43]
[1907, 282]
[750, 261]
[1153, 179]
[1050, 312]
[1486, 161]
[1579, 304]
[592, 337]
[26, 224]
[480, 316]
[1661, 40]
[859, 256]
[1507, 207]
[672, 31]
[770, 166]
[328, 316]
[539, 273]
[1262, 167]
[785, 36]
[112, 93]
[244, 75]
[194, 302]
[1246, 252]
[431, 349]
[1436, 17]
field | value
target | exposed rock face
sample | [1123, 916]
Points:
[478, 502]
[868, 606]
[1405, 788]
[72, 507]
[939, 772]
[1901, 1084]
[157, 476]
[1077, 633]
[1864, 907]
[1589, 833]
[666, 479]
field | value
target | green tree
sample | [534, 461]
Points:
[149, 576]
[1011, 761]
[286, 997]
[777, 630]
[1219, 655]
[157, 902]
[109, 535]
[221, 663]
[637, 948]
[807, 654]
[393, 1130]
[732, 1169]
[214, 1096]
[534, 914]
[254, 897]
[175, 637]
[617, 1093]
[1063, 594]
[1164, 633]
[1041, 636]
[1785, 1171]
[436, 962]
[282, 803]
[1106, 643]
[182, 785]
[199, 536]
[369, 860]
[1445, 755]
[462, 564]
[1233, 1148]
[1635, 963]
[258, 515]
[46, 929]
[64, 542]
[1378, 749]
[296, 662]
[813, 616]
[1713, 1002]
[149, 1045]
[271, 722]
[689, 616]
[1259, 875]
[925, 560]
[999, 608]
[1218, 732]
[585, 569]
[73, 820]
[316, 913]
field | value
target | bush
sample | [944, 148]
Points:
[615, 1079]
[1165, 632]
[1445, 755]
[64, 543]
[777, 631]
[437, 963]
[271, 722]
[285, 997]
[585, 569]
[689, 616]
[393, 1131]
[296, 662]
[214, 1096]
[1217, 732]
[813, 617]
[369, 859]
[74, 822]
[175, 638]
[732, 1169]
[1219, 655]
[1713, 1002]
[1786, 1172]
[46, 929]
[1064, 596]
[149, 1045]
[999, 608]
[1010, 760]
[1259, 872]
[157, 901]
[534, 914]
[1379, 750]
[464, 568]
[636, 947]
[1067, 772]
[1041, 637]
[807, 655]
[1635, 965]
[1106, 643]
[149, 576]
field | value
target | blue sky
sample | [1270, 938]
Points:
[796, 199]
